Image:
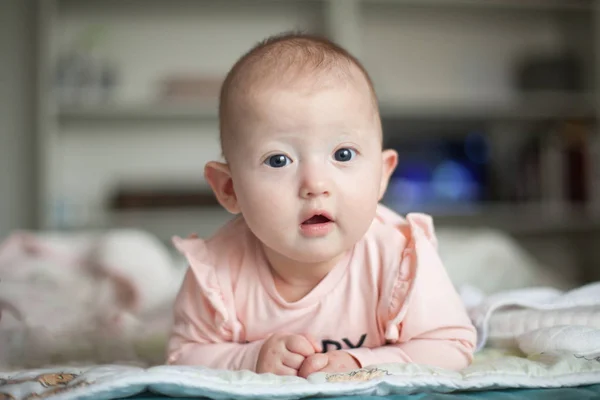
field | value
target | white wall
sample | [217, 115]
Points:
[17, 186]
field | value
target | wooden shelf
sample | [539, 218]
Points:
[138, 113]
[529, 224]
[528, 107]
[531, 219]
[516, 4]
[531, 107]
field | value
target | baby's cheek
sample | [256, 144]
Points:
[361, 188]
[265, 196]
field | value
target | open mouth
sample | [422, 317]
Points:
[317, 219]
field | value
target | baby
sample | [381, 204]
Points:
[313, 275]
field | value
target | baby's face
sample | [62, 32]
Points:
[307, 168]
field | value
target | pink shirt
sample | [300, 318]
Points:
[389, 300]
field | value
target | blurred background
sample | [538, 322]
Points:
[109, 111]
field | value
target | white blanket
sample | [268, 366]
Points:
[112, 382]
[501, 318]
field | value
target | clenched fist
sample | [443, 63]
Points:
[333, 361]
[284, 354]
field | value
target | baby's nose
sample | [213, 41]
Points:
[314, 179]
[308, 193]
[314, 188]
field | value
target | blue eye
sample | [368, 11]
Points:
[344, 154]
[278, 161]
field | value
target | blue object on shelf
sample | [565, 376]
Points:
[439, 173]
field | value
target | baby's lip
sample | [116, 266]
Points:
[322, 215]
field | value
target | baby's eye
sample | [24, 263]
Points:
[344, 154]
[278, 161]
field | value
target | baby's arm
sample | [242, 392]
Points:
[195, 338]
[435, 331]
[449, 354]
[429, 325]
[444, 352]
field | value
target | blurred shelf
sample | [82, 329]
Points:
[528, 107]
[524, 224]
[166, 223]
[139, 113]
[163, 195]
[532, 219]
[515, 4]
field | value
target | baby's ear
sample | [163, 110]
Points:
[218, 176]
[389, 160]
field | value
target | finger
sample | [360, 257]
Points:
[293, 360]
[286, 371]
[300, 345]
[313, 364]
[316, 345]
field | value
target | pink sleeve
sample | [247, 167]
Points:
[204, 328]
[426, 321]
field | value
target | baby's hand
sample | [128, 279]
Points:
[284, 354]
[333, 361]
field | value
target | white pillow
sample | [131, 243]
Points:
[491, 261]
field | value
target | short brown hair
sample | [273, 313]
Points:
[284, 52]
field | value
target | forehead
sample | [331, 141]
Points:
[310, 103]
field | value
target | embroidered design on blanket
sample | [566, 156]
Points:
[360, 375]
[597, 359]
[54, 383]
[55, 391]
[46, 380]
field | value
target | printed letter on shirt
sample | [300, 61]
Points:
[338, 346]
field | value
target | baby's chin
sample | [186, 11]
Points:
[316, 259]
[314, 253]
